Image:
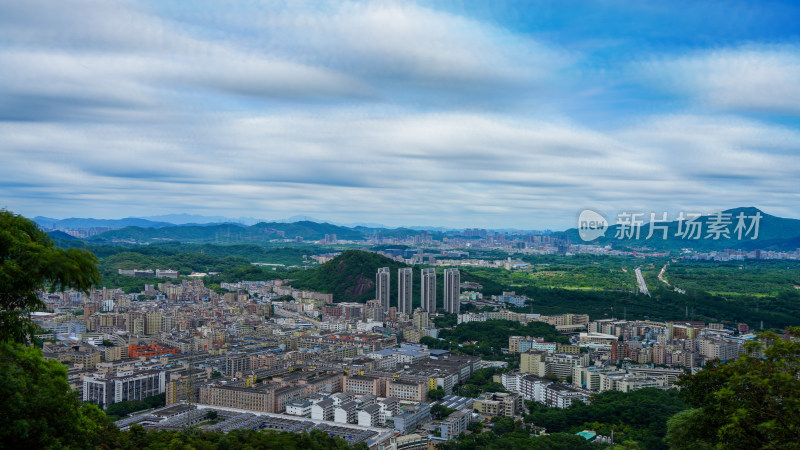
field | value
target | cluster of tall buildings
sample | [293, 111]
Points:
[405, 282]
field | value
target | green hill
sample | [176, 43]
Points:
[231, 233]
[350, 277]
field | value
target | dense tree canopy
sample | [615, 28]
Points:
[38, 408]
[518, 439]
[497, 332]
[122, 409]
[752, 402]
[481, 381]
[29, 261]
[138, 438]
[639, 415]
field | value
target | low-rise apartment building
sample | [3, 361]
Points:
[498, 404]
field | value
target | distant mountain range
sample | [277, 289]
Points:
[195, 219]
[73, 223]
[774, 233]
[230, 233]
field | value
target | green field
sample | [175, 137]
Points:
[756, 278]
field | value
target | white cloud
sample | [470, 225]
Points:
[755, 78]
[446, 169]
[400, 41]
[85, 58]
[132, 114]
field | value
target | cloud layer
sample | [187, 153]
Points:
[386, 112]
[763, 78]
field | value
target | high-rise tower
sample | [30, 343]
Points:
[404, 283]
[382, 279]
[452, 290]
[429, 290]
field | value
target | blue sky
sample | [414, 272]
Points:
[455, 113]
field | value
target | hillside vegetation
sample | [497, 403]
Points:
[350, 277]
[231, 233]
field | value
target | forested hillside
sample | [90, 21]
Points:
[231, 233]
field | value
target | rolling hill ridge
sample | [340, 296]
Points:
[774, 233]
[229, 232]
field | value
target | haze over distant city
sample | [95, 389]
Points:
[443, 113]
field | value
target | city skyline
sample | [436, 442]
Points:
[507, 114]
[608, 189]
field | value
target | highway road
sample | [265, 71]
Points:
[640, 281]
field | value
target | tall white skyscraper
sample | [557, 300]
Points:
[382, 279]
[404, 283]
[429, 290]
[452, 290]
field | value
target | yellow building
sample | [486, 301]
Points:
[565, 348]
[533, 361]
[498, 404]
[88, 359]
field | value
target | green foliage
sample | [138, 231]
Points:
[628, 444]
[230, 233]
[233, 263]
[758, 277]
[447, 320]
[436, 394]
[197, 258]
[122, 409]
[749, 291]
[350, 277]
[491, 286]
[691, 429]
[138, 438]
[492, 336]
[151, 257]
[475, 427]
[503, 425]
[519, 439]
[38, 407]
[211, 415]
[287, 255]
[40, 410]
[30, 261]
[574, 272]
[434, 343]
[481, 381]
[753, 400]
[639, 415]
[439, 411]
[216, 374]
[494, 387]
